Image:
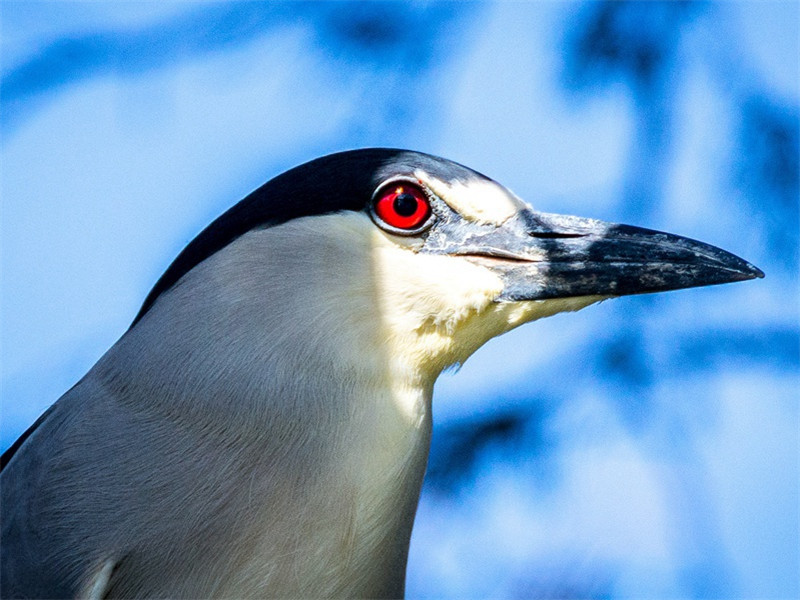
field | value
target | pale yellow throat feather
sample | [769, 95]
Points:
[438, 310]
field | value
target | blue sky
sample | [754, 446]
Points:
[653, 441]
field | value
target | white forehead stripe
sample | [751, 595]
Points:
[478, 200]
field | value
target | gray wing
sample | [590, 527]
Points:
[28, 565]
[102, 497]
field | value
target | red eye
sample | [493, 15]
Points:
[402, 206]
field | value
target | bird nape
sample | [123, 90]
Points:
[262, 428]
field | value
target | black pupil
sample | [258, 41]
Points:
[405, 204]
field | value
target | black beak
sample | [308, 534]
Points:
[541, 256]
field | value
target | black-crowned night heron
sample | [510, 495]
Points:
[262, 429]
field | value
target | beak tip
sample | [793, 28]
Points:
[750, 271]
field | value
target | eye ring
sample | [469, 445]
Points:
[402, 206]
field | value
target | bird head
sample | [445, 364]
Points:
[434, 257]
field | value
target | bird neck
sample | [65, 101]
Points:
[336, 433]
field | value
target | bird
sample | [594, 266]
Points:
[262, 428]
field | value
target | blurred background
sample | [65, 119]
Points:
[645, 447]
